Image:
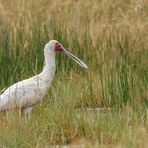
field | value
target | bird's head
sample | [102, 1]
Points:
[54, 46]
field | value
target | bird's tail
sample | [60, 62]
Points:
[1, 91]
[1, 98]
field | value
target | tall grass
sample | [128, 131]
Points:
[110, 36]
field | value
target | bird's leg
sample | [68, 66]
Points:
[27, 112]
[20, 113]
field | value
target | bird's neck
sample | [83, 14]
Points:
[49, 69]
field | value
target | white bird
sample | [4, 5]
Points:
[25, 94]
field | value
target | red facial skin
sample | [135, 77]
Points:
[58, 47]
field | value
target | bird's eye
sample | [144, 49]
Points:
[58, 47]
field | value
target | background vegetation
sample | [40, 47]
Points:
[111, 37]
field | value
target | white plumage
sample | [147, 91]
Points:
[26, 93]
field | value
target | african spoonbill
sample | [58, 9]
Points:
[27, 93]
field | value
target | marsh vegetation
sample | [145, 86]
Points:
[111, 37]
